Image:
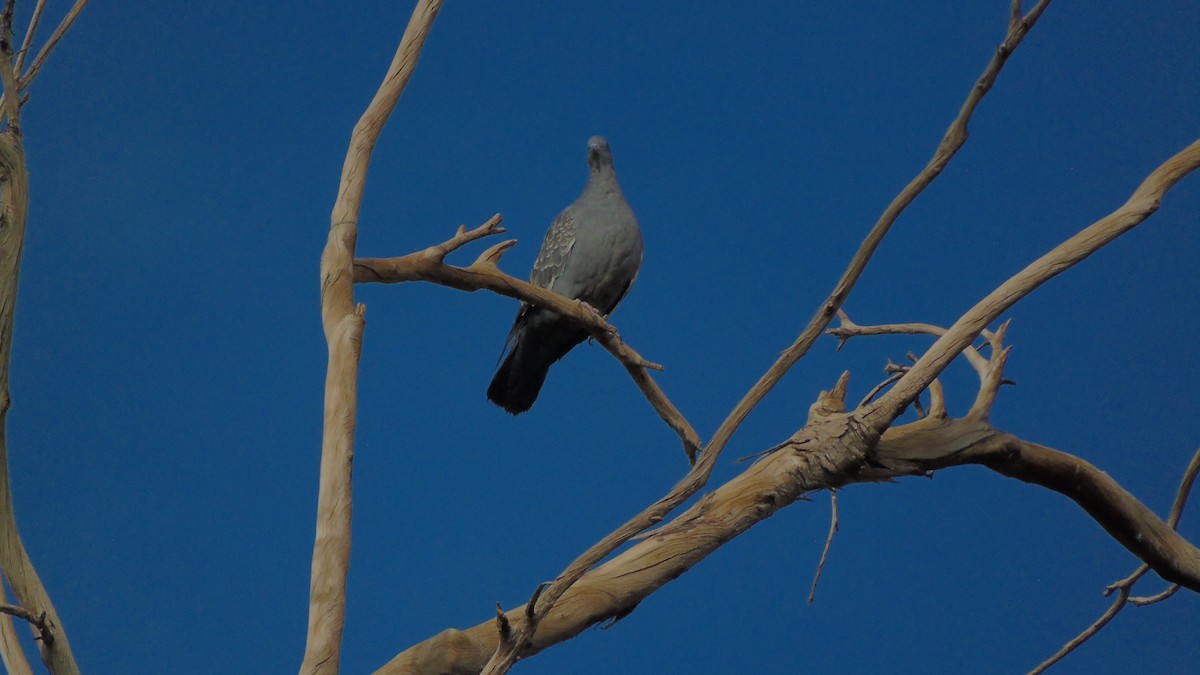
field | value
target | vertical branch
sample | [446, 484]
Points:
[343, 323]
[14, 208]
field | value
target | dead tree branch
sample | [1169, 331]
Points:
[848, 329]
[343, 323]
[954, 139]
[48, 48]
[11, 653]
[833, 528]
[485, 274]
[1140, 206]
[831, 450]
[1124, 587]
[31, 595]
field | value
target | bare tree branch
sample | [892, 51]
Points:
[1142, 601]
[28, 40]
[954, 139]
[37, 621]
[826, 453]
[343, 323]
[12, 104]
[11, 653]
[14, 209]
[59, 32]
[429, 265]
[832, 450]
[1087, 633]
[1124, 587]
[848, 329]
[1140, 206]
[833, 528]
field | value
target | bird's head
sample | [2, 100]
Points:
[599, 154]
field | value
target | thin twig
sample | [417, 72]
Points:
[1087, 633]
[833, 528]
[1124, 587]
[11, 100]
[1143, 600]
[37, 620]
[28, 40]
[27, 79]
[878, 388]
[848, 329]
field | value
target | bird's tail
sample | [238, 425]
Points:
[538, 339]
[519, 378]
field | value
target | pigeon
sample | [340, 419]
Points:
[592, 252]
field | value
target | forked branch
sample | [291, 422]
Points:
[1140, 206]
[485, 274]
[830, 452]
[827, 453]
[343, 323]
[953, 141]
[1124, 587]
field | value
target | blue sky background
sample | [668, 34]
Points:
[169, 362]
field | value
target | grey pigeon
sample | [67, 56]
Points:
[592, 253]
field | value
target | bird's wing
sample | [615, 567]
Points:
[556, 250]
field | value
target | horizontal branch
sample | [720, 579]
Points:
[38, 621]
[484, 274]
[848, 329]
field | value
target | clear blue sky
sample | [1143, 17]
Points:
[169, 361]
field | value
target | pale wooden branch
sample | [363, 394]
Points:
[485, 274]
[17, 568]
[833, 528]
[1073, 644]
[890, 379]
[1140, 206]
[11, 104]
[38, 622]
[28, 39]
[847, 329]
[1124, 587]
[954, 139]
[994, 376]
[827, 453]
[343, 324]
[11, 653]
[27, 79]
[1142, 601]
[937, 401]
